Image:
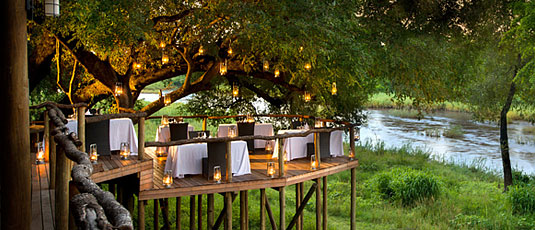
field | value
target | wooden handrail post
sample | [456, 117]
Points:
[204, 123]
[317, 150]
[281, 157]
[62, 190]
[52, 153]
[229, 162]
[141, 138]
[282, 207]
[353, 199]
[352, 141]
[46, 136]
[262, 209]
[81, 126]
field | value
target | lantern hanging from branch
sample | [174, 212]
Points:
[223, 67]
[357, 134]
[266, 66]
[162, 44]
[167, 99]
[52, 8]
[118, 89]
[307, 96]
[277, 73]
[165, 59]
[308, 66]
[229, 51]
[137, 65]
[201, 51]
[334, 90]
[235, 90]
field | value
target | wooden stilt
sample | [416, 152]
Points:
[282, 207]
[141, 214]
[262, 209]
[72, 192]
[178, 213]
[199, 212]
[353, 199]
[62, 190]
[52, 157]
[228, 204]
[229, 162]
[141, 138]
[318, 204]
[301, 207]
[298, 200]
[164, 207]
[325, 203]
[302, 191]
[247, 209]
[210, 211]
[243, 210]
[270, 215]
[156, 222]
[223, 214]
[192, 212]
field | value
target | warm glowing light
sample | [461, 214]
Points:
[40, 159]
[313, 163]
[235, 90]
[334, 90]
[162, 45]
[285, 157]
[232, 131]
[223, 67]
[308, 66]
[167, 99]
[357, 134]
[160, 151]
[229, 51]
[351, 154]
[277, 73]
[165, 120]
[249, 118]
[168, 179]
[118, 89]
[125, 150]
[266, 65]
[201, 50]
[217, 174]
[271, 169]
[269, 147]
[165, 59]
[301, 48]
[93, 154]
[318, 124]
[137, 65]
[307, 97]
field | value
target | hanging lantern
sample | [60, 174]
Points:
[301, 49]
[235, 90]
[162, 45]
[167, 179]
[271, 169]
[313, 163]
[118, 89]
[165, 59]
[277, 73]
[217, 174]
[308, 66]
[167, 99]
[357, 134]
[307, 96]
[266, 65]
[93, 154]
[52, 8]
[223, 67]
[40, 158]
[201, 50]
[334, 90]
[137, 65]
[125, 150]
[318, 124]
[229, 51]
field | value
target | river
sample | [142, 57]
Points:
[479, 143]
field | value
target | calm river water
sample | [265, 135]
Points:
[480, 142]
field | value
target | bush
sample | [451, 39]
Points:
[522, 199]
[519, 178]
[406, 185]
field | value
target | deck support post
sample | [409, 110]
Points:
[301, 207]
[164, 206]
[262, 209]
[80, 111]
[270, 215]
[141, 138]
[52, 155]
[281, 157]
[244, 217]
[325, 203]
[318, 204]
[353, 199]
[228, 206]
[302, 191]
[178, 213]
[223, 213]
[62, 190]
[156, 222]
[210, 210]
[199, 212]
[192, 212]
[298, 200]
[141, 214]
[229, 162]
[282, 207]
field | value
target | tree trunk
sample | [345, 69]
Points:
[504, 140]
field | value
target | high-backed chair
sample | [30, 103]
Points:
[296, 124]
[324, 145]
[179, 131]
[216, 157]
[194, 134]
[247, 129]
[98, 133]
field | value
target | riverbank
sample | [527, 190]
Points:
[467, 197]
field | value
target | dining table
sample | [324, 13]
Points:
[296, 147]
[260, 129]
[187, 159]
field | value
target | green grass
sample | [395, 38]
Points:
[404, 113]
[469, 198]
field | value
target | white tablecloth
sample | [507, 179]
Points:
[121, 130]
[187, 159]
[296, 147]
[263, 129]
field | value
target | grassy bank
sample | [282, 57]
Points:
[465, 198]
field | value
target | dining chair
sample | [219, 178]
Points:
[216, 157]
[324, 145]
[296, 124]
[247, 129]
[178, 131]
[98, 133]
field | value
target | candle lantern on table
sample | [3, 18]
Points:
[313, 163]
[125, 150]
[232, 131]
[40, 159]
[269, 147]
[271, 169]
[93, 154]
[167, 179]
[217, 174]
[160, 151]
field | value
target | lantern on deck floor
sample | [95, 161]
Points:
[125, 150]
[167, 179]
[93, 154]
[271, 169]
[118, 89]
[160, 151]
[40, 158]
[313, 163]
[217, 174]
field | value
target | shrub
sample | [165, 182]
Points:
[406, 185]
[520, 178]
[522, 199]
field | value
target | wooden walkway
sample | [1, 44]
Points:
[296, 171]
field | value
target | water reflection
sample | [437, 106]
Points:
[480, 140]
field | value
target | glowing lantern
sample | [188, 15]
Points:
[313, 163]
[229, 51]
[167, 99]
[125, 150]
[162, 45]
[223, 68]
[165, 59]
[249, 118]
[357, 134]
[271, 169]
[307, 97]
[266, 65]
[308, 66]
[137, 65]
[93, 154]
[167, 179]
[351, 155]
[201, 50]
[269, 147]
[118, 89]
[318, 124]
[232, 131]
[334, 90]
[160, 151]
[235, 90]
[277, 73]
[40, 159]
[217, 174]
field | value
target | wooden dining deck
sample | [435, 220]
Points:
[296, 171]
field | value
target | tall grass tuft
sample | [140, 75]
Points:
[455, 131]
[522, 199]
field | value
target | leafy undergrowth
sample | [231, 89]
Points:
[465, 197]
